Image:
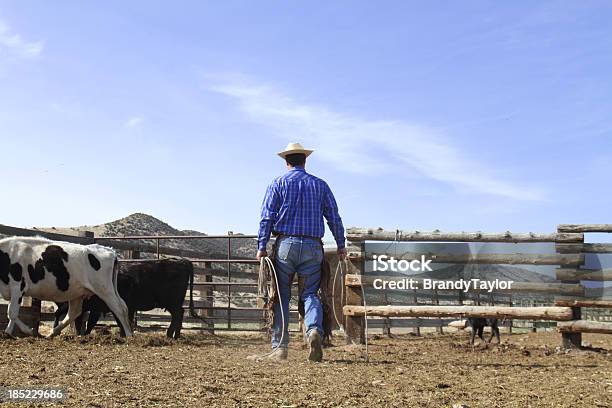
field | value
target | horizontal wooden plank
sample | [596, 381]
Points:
[533, 287]
[581, 228]
[587, 248]
[597, 248]
[332, 251]
[24, 232]
[535, 313]
[583, 302]
[583, 274]
[573, 248]
[377, 323]
[379, 234]
[406, 297]
[585, 326]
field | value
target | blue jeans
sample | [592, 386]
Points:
[302, 256]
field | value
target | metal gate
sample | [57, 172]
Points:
[225, 279]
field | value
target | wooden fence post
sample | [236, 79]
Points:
[569, 339]
[534, 327]
[437, 302]
[386, 321]
[511, 320]
[417, 327]
[355, 325]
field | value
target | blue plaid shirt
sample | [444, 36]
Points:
[295, 204]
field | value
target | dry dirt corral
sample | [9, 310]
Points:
[206, 370]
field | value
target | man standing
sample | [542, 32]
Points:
[293, 210]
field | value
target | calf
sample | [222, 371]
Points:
[478, 324]
[145, 286]
[59, 272]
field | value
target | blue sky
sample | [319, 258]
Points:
[452, 115]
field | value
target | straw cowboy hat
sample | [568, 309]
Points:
[293, 148]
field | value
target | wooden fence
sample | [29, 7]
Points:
[219, 286]
[568, 293]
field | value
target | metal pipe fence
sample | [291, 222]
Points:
[233, 317]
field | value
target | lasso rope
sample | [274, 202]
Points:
[263, 262]
[338, 269]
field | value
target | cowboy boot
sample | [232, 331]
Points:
[315, 343]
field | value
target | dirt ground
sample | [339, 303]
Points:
[204, 370]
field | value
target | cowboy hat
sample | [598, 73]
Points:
[294, 148]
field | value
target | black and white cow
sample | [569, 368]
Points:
[145, 286]
[94, 307]
[58, 272]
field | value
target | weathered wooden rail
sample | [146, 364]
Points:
[542, 313]
[379, 234]
[585, 326]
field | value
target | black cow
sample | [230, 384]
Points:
[478, 324]
[145, 286]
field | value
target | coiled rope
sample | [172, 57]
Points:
[263, 262]
[338, 269]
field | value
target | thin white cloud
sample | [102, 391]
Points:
[370, 146]
[14, 44]
[134, 121]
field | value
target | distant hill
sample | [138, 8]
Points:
[145, 224]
